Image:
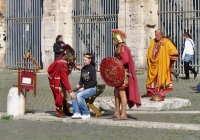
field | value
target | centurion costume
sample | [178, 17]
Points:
[58, 72]
[119, 71]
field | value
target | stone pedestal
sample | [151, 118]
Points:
[15, 102]
[169, 103]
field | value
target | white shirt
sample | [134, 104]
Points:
[188, 48]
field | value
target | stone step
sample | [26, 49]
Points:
[169, 103]
[110, 122]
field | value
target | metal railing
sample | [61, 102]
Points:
[23, 30]
[92, 24]
[177, 17]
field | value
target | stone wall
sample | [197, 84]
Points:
[56, 21]
[2, 32]
[138, 18]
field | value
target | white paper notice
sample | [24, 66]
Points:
[26, 80]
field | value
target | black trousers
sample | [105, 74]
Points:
[188, 68]
[174, 72]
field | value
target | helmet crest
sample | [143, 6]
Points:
[118, 35]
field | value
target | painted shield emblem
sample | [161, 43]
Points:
[112, 71]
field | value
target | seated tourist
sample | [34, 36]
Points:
[85, 89]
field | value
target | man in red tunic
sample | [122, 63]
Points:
[128, 92]
[58, 72]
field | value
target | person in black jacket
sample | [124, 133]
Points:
[58, 46]
[85, 89]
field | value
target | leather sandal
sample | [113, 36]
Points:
[120, 118]
[112, 117]
[148, 94]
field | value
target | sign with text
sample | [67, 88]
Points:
[27, 77]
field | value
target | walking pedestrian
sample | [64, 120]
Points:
[188, 54]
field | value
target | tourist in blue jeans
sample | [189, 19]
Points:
[85, 89]
[188, 54]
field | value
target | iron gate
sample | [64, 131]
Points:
[177, 17]
[92, 24]
[23, 30]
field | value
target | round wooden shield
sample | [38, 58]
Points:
[112, 71]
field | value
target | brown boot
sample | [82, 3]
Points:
[59, 113]
[66, 109]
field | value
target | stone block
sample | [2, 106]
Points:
[169, 103]
[15, 102]
[132, 18]
[56, 20]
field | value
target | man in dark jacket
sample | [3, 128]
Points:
[57, 46]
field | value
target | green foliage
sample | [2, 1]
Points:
[5, 117]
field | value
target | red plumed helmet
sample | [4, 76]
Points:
[118, 35]
[67, 47]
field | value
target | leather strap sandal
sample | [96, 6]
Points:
[112, 117]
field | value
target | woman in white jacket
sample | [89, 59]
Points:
[188, 54]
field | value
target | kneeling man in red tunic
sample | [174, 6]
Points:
[58, 72]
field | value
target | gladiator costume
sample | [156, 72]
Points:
[122, 70]
[123, 53]
[58, 73]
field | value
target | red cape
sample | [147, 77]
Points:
[55, 67]
[59, 70]
[58, 73]
[133, 94]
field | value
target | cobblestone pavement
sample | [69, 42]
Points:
[36, 130]
[20, 130]
[44, 99]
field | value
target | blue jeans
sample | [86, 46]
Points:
[188, 57]
[79, 105]
[198, 87]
